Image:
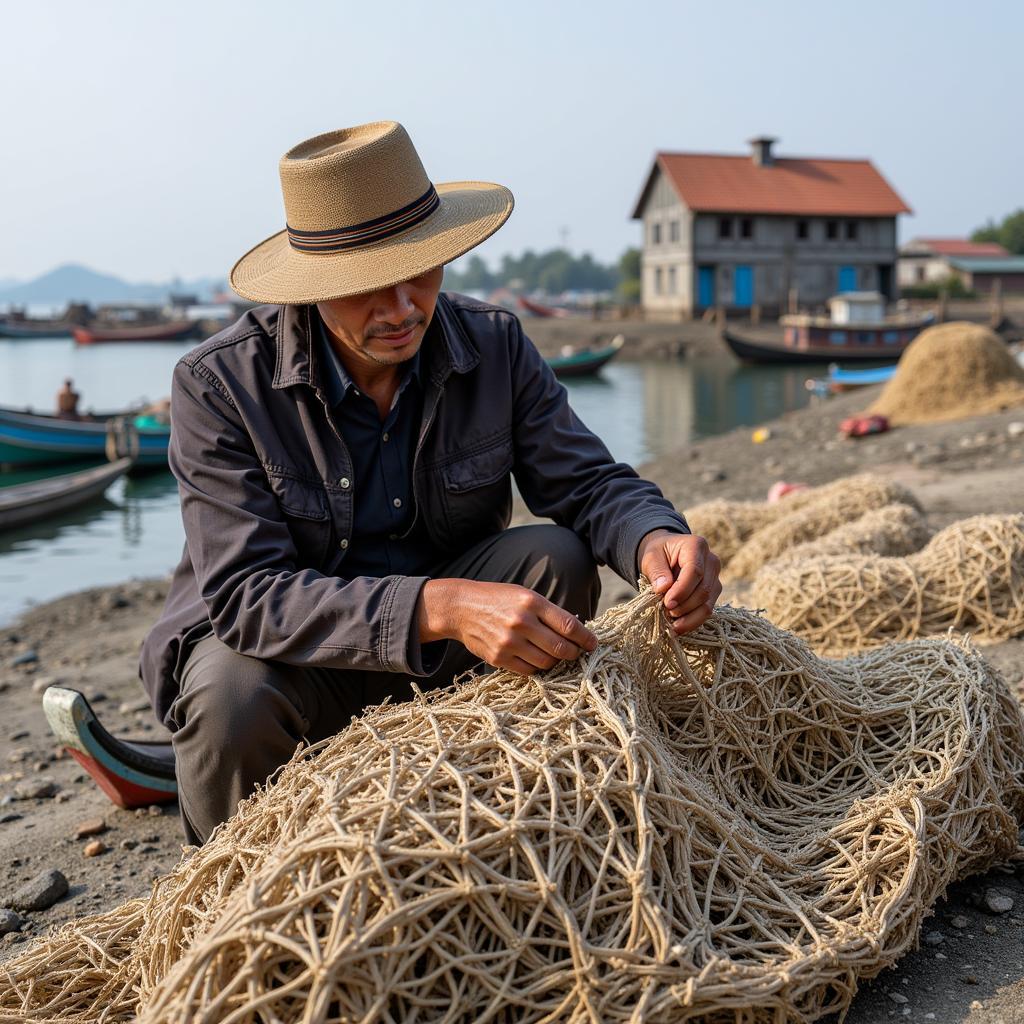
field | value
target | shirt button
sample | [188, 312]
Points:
[343, 543]
[397, 503]
[386, 436]
[345, 483]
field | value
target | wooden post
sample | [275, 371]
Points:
[940, 316]
[794, 306]
[755, 314]
[996, 317]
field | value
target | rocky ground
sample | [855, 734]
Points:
[53, 819]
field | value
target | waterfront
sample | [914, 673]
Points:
[643, 410]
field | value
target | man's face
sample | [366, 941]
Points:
[385, 327]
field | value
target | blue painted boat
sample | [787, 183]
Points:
[842, 380]
[32, 438]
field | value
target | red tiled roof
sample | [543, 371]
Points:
[958, 247]
[791, 185]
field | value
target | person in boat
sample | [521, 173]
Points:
[344, 455]
[67, 401]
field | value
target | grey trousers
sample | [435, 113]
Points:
[237, 719]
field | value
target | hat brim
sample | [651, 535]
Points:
[468, 213]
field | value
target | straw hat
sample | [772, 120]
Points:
[362, 214]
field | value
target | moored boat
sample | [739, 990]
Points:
[586, 361]
[857, 330]
[539, 309]
[32, 438]
[25, 328]
[37, 499]
[177, 330]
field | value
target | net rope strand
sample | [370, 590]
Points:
[720, 827]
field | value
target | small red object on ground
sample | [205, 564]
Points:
[861, 426]
[781, 488]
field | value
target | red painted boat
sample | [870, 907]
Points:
[177, 330]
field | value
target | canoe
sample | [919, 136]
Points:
[539, 309]
[844, 380]
[30, 502]
[175, 331]
[31, 438]
[586, 362]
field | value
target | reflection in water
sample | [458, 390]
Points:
[641, 410]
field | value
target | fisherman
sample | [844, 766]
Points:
[344, 455]
[67, 401]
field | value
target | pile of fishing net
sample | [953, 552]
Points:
[721, 827]
[970, 577]
[747, 535]
[949, 372]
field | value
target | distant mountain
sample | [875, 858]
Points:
[74, 283]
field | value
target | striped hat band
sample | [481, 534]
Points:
[370, 231]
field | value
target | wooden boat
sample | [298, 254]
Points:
[30, 502]
[18, 328]
[539, 309]
[30, 438]
[858, 330]
[587, 361]
[177, 330]
[132, 773]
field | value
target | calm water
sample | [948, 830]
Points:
[640, 410]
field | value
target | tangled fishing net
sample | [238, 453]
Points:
[719, 828]
[969, 577]
[728, 525]
[891, 530]
[821, 511]
[949, 372]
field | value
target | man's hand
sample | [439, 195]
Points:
[684, 571]
[508, 626]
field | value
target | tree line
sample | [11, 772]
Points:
[552, 272]
[1009, 232]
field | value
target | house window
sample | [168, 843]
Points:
[671, 280]
[920, 273]
[851, 231]
[673, 231]
[725, 227]
[746, 227]
[831, 230]
[837, 337]
[655, 234]
[891, 337]
[803, 230]
[658, 282]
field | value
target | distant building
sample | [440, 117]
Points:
[736, 231]
[978, 264]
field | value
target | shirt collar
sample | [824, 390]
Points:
[336, 380]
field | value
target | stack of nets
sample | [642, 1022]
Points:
[969, 577]
[719, 828]
[748, 535]
[950, 372]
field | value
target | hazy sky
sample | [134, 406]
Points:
[143, 139]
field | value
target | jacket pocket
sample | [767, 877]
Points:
[305, 511]
[476, 492]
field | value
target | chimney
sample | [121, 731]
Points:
[762, 150]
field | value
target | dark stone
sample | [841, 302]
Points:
[43, 891]
[28, 658]
[9, 921]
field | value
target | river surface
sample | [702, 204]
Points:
[641, 410]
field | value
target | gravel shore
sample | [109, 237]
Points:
[970, 964]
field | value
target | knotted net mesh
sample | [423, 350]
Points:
[719, 827]
[970, 576]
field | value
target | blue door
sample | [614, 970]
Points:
[705, 286]
[847, 279]
[743, 289]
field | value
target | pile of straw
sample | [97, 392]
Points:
[969, 577]
[720, 827]
[728, 526]
[950, 372]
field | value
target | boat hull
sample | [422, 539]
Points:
[757, 350]
[584, 364]
[32, 439]
[178, 331]
[16, 329]
[30, 502]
